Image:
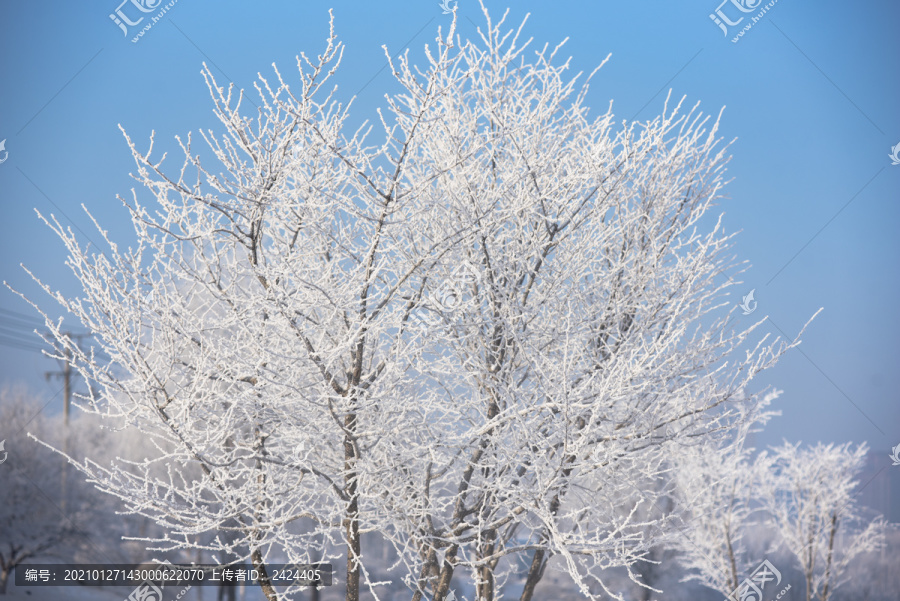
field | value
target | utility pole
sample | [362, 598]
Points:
[66, 375]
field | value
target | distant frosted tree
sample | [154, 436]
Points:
[718, 490]
[33, 524]
[873, 576]
[475, 336]
[804, 496]
[811, 501]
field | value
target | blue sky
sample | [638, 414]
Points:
[811, 94]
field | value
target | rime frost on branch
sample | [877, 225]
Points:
[263, 328]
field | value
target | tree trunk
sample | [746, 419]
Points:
[734, 573]
[428, 572]
[228, 591]
[352, 520]
[264, 582]
[484, 590]
[535, 573]
[539, 561]
[443, 585]
[199, 562]
[810, 562]
[825, 590]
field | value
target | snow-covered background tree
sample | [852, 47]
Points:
[795, 505]
[43, 515]
[811, 502]
[474, 338]
[31, 522]
[718, 488]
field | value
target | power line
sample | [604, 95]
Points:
[20, 320]
[15, 332]
[21, 316]
[30, 327]
[25, 335]
[20, 345]
[18, 324]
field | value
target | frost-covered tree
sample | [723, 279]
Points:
[718, 489]
[33, 524]
[254, 330]
[812, 505]
[874, 576]
[474, 337]
[804, 497]
[577, 333]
